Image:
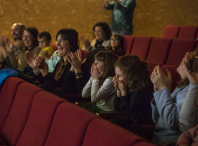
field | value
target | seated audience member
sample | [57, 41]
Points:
[54, 59]
[117, 42]
[100, 86]
[187, 114]
[102, 35]
[44, 40]
[17, 30]
[31, 45]
[189, 137]
[61, 78]
[134, 93]
[166, 106]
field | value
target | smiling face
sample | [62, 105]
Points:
[16, 32]
[43, 42]
[63, 46]
[99, 33]
[115, 43]
[100, 65]
[28, 39]
[121, 76]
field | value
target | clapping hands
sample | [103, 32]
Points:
[120, 85]
[159, 79]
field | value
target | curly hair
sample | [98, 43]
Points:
[136, 72]
[109, 59]
[105, 28]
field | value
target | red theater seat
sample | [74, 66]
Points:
[171, 32]
[159, 50]
[188, 32]
[128, 43]
[141, 46]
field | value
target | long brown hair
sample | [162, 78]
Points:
[136, 72]
[109, 60]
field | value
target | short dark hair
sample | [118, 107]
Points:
[72, 36]
[105, 28]
[136, 72]
[45, 34]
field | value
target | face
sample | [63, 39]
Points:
[100, 65]
[182, 70]
[121, 76]
[16, 32]
[114, 42]
[99, 33]
[63, 46]
[28, 39]
[43, 42]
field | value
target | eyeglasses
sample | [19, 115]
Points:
[114, 40]
[61, 40]
[26, 36]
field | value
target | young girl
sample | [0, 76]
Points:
[134, 93]
[100, 86]
[117, 42]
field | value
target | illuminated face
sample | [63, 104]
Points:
[121, 76]
[43, 42]
[63, 46]
[100, 65]
[28, 39]
[99, 33]
[16, 32]
[115, 43]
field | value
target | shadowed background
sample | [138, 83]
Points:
[150, 17]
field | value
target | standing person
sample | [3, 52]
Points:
[102, 35]
[166, 106]
[122, 16]
[133, 95]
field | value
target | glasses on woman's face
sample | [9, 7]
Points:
[60, 40]
[26, 36]
[114, 40]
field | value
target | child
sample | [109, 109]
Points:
[44, 40]
[117, 42]
[100, 86]
[134, 93]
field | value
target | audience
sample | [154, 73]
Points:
[166, 106]
[102, 35]
[100, 86]
[133, 95]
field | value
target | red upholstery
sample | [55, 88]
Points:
[141, 46]
[175, 76]
[6, 103]
[71, 128]
[84, 54]
[159, 50]
[40, 119]
[171, 32]
[152, 65]
[54, 47]
[178, 49]
[114, 136]
[19, 112]
[188, 32]
[128, 43]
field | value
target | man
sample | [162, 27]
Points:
[122, 15]
[17, 30]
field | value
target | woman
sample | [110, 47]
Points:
[61, 79]
[29, 43]
[166, 106]
[102, 35]
[133, 95]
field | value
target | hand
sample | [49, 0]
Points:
[85, 41]
[192, 76]
[123, 88]
[115, 82]
[95, 73]
[30, 59]
[9, 44]
[19, 44]
[2, 40]
[159, 79]
[46, 54]
[40, 62]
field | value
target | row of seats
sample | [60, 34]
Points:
[181, 32]
[160, 50]
[31, 116]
